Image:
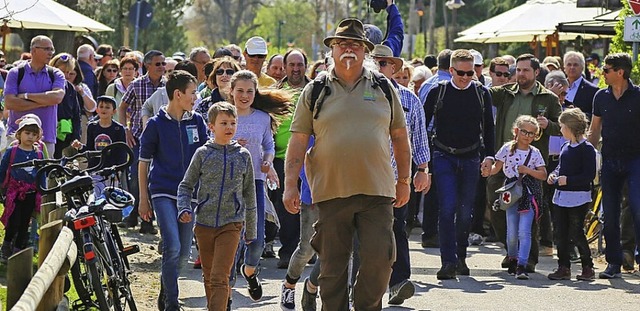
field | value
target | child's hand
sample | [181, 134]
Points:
[551, 179]
[76, 144]
[185, 217]
[523, 169]
[562, 180]
[243, 142]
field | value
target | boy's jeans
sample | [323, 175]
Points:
[304, 252]
[519, 230]
[176, 238]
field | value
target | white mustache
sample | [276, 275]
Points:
[348, 55]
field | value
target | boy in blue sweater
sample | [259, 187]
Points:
[166, 147]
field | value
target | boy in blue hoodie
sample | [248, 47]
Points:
[226, 200]
[166, 146]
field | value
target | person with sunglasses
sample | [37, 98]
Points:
[220, 80]
[255, 53]
[138, 92]
[616, 118]
[107, 74]
[459, 141]
[525, 97]
[499, 71]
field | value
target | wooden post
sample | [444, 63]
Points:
[48, 235]
[56, 214]
[19, 273]
[45, 209]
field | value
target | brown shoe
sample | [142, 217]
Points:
[562, 273]
[587, 274]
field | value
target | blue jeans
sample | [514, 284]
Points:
[253, 251]
[176, 244]
[457, 180]
[519, 232]
[614, 173]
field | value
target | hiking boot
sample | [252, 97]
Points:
[562, 273]
[287, 298]
[308, 299]
[521, 273]
[431, 242]
[268, 251]
[283, 262]
[587, 274]
[253, 284]
[401, 292]
[475, 239]
[129, 222]
[147, 227]
[462, 268]
[611, 272]
[447, 272]
[512, 265]
[198, 263]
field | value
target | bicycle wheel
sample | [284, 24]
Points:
[593, 219]
[119, 284]
[96, 272]
[81, 281]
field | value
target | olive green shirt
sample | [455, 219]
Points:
[521, 106]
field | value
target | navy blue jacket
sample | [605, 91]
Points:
[170, 144]
[584, 97]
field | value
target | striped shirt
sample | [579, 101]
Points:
[137, 93]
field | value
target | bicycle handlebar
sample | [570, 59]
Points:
[57, 167]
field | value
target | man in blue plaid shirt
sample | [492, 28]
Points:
[400, 288]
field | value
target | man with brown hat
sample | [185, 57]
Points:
[400, 288]
[350, 175]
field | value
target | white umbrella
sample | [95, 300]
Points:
[46, 14]
[534, 18]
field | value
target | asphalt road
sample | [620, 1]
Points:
[487, 288]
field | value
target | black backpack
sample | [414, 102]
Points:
[320, 83]
[21, 71]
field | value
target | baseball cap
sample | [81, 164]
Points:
[477, 57]
[29, 119]
[256, 46]
[179, 56]
[107, 98]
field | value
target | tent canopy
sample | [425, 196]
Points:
[534, 18]
[600, 25]
[47, 14]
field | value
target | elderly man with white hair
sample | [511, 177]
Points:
[88, 60]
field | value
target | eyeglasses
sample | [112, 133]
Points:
[128, 68]
[111, 70]
[257, 56]
[46, 48]
[606, 70]
[158, 64]
[462, 73]
[229, 72]
[383, 63]
[352, 45]
[527, 133]
[500, 74]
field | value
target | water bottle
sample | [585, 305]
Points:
[271, 185]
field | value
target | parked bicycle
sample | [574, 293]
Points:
[100, 273]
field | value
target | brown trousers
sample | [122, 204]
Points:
[217, 248]
[371, 217]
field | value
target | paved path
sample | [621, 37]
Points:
[487, 288]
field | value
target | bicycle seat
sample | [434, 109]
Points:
[84, 183]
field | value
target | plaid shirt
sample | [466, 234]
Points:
[416, 128]
[137, 93]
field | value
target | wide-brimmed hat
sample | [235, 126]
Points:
[350, 29]
[383, 51]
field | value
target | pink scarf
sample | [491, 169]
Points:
[17, 190]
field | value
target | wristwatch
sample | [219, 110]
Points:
[405, 180]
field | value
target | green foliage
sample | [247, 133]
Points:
[618, 45]
[294, 19]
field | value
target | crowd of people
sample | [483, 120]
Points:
[337, 158]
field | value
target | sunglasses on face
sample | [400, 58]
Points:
[257, 56]
[229, 72]
[111, 70]
[500, 74]
[527, 133]
[383, 63]
[158, 64]
[607, 69]
[463, 73]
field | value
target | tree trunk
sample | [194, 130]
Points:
[432, 30]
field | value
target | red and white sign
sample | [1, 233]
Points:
[635, 6]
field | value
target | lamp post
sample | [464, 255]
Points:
[280, 23]
[454, 5]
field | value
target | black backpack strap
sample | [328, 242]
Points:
[479, 88]
[50, 72]
[382, 81]
[319, 84]
[442, 89]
